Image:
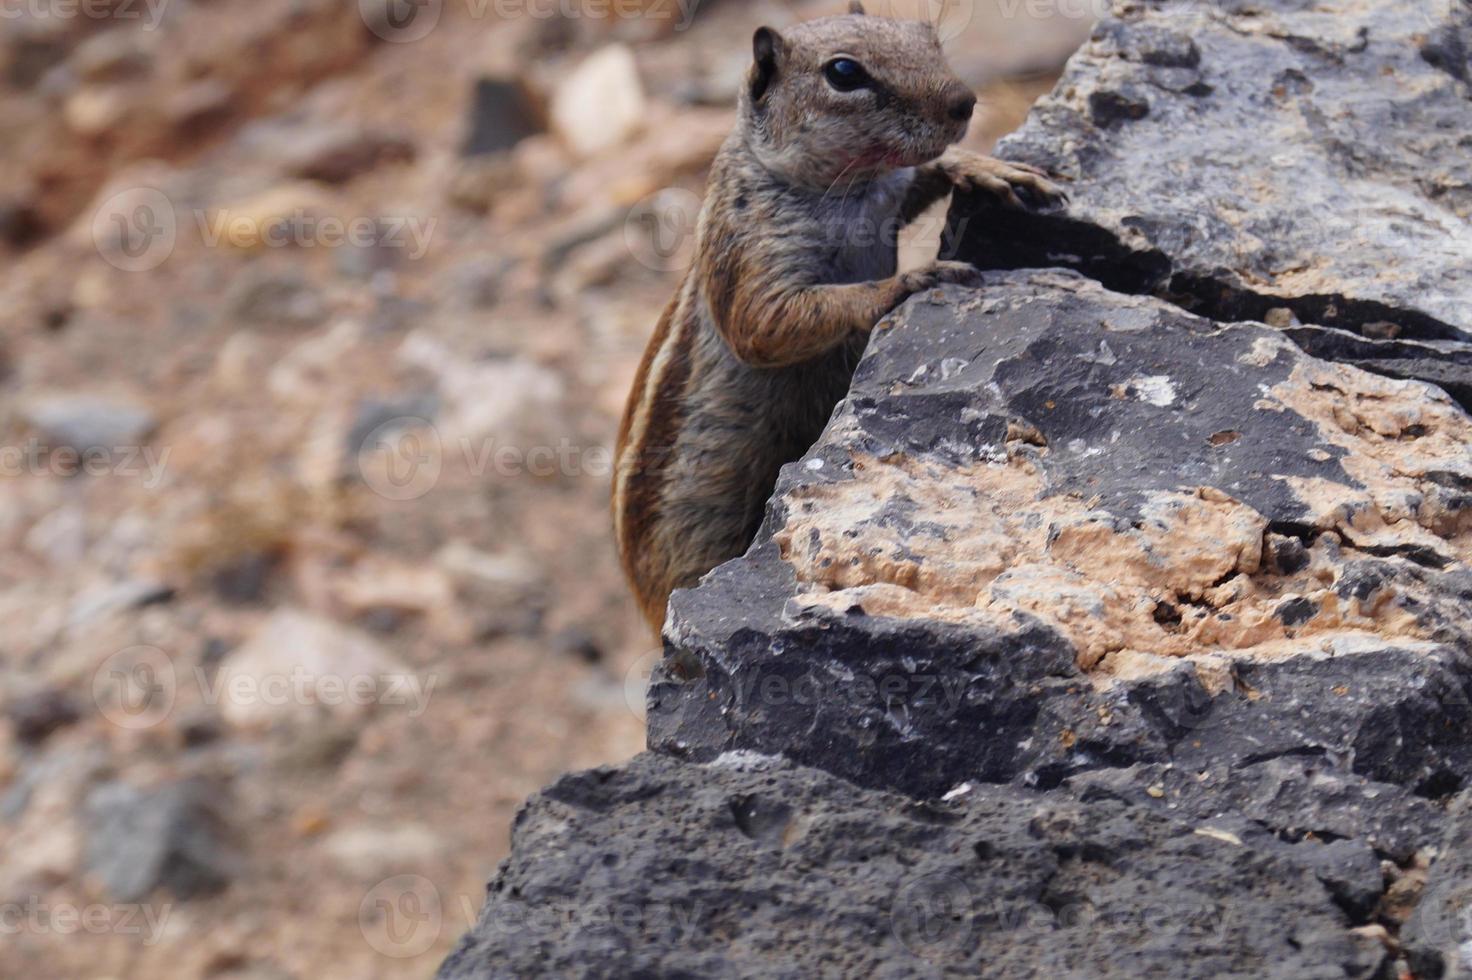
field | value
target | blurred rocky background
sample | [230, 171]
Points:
[316, 319]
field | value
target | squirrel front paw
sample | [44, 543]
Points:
[1016, 185]
[940, 274]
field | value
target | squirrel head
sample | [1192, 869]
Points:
[851, 98]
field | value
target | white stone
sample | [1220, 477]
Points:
[601, 104]
[299, 666]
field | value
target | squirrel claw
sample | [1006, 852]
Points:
[1016, 185]
[940, 274]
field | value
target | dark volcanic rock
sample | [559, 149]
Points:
[751, 867]
[36, 716]
[337, 154]
[1245, 158]
[1036, 500]
[1439, 934]
[503, 112]
[169, 837]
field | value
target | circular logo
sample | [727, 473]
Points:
[401, 916]
[135, 688]
[932, 916]
[401, 21]
[1443, 917]
[660, 229]
[402, 459]
[636, 682]
[136, 230]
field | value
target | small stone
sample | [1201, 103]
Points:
[196, 108]
[311, 822]
[512, 400]
[277, 299]
[579, 644]
[1382, 330]
[113, 56]
[300, 667]
[168, 837]
[477, 285]
[301, 374]
[369, 852]
[374, 415]
[199, 728]
[478, 183]
[20, 222]
[1297, 610]
[60, 537]
[95, 111]
[36, 716]
[502, 570]
[601, 104]
[244, 579]
[337, 154]
[381, 585]
[503, 112]
[1280, 317]
[26, 55]
[393, 314]
[90, 422]
[275, 218]
[1288, 555]
[117, 597]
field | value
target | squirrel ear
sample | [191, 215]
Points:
[768, 48]
[856, 8]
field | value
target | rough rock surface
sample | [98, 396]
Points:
[168, 837]
[1054, 528]
[754, 867]
[1139, 579]
[1303, 164]
[1439, 935]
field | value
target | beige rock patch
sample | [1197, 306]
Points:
[909, 538]
[1405, 443]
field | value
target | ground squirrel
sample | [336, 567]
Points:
[845, 133]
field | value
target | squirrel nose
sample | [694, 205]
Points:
[962, 106]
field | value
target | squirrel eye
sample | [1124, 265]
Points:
[845, 74]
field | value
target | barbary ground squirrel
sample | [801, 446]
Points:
[844, 135]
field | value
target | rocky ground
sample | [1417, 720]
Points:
[315, 324]
[1120, 623]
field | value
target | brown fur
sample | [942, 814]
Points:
[795, 264]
